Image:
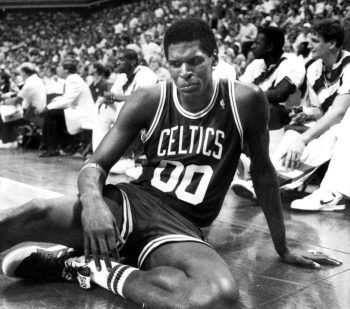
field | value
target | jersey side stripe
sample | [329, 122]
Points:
[155, 243]
[147, 134]
[231, 85]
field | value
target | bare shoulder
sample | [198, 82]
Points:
[143, 103]
[252, 104]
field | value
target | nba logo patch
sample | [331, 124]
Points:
[222, 104]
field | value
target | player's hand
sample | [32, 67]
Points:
[314, 259]
[291, 158]
[101, 234]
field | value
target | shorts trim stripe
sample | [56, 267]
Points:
[127, 227]
[155, 243]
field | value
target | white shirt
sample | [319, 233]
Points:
[291, 68]
[54, 84]
[144, 76]
[33, 93]
[76, 94]
[224, 70]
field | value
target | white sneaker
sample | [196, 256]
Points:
[134, 172]
[122, 165]
[244, 188]
[320, 200]
[243, 168]
[10, 145]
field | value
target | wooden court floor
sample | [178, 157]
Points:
[239, 234]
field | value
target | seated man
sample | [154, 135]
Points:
[67, 112]
[32, 98]
[194, 129]
[328, 79]
[278, 74]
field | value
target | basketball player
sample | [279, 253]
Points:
[194, 129]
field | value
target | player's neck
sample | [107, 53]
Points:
[196, 102]
[332, 59]
[272, 58]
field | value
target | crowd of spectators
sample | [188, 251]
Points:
[93, 37]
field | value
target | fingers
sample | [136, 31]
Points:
[324, 259]
[112, 245]
[105, 253]
[87, 249]
[95, 253]
[307, 263]
[292, 160]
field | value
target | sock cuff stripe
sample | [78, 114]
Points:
[112, 275]
[117, 278]
[124, 275]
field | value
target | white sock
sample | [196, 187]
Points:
[111, 280]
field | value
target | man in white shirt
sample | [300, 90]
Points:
[32, 97]
[150, 48]
[247, 34]
[67, 112]
[279, 75]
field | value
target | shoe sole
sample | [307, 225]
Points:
[242, 191]
[15, 257]
[325, 209]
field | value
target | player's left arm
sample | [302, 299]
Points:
[255, 126]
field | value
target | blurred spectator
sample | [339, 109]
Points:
[302, 37]
[32, 98]
[99, 84]
[149, 48]
[247, 34]
[222, 69]
[53, 83]
[155, 64]
[67, 112]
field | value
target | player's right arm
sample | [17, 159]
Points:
[99, 225]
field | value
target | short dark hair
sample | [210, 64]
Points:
[274, 36]
[100, 69]
[129, 54]
[70, 64]
[330, 30]
[189, 30]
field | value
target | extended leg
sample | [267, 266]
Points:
[55, 220]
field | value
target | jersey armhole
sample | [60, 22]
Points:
[231, 87]
[146, 134]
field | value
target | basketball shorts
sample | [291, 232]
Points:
[147, 224]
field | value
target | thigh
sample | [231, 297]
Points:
[63, 217]
[198, 261]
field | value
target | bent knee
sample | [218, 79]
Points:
[222, 293]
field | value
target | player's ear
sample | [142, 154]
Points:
[215, 58]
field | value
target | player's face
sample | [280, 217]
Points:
[190, 68]
[123, 64]
[319, 48]
[259, 47]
